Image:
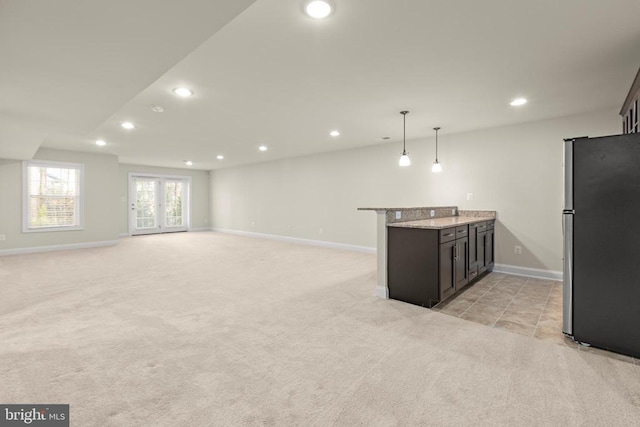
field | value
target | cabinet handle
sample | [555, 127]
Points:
[448, 235]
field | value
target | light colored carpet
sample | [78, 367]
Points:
[200, 329]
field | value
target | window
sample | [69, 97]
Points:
[52, 196]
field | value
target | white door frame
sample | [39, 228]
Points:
[132, 199]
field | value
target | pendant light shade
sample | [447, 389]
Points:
[436, 168]
[404, 159]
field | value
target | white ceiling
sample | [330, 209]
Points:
[265, 73]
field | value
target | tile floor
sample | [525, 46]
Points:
[526, 306]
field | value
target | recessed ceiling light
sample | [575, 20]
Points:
[334, 133]
[101, 143]
[262, 148]
[318, 9]
[219, 157]
[127, 125]
[183, 91]
[518, 101]
[188, 162]
[157, 108]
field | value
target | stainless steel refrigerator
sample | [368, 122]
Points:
[601, 223]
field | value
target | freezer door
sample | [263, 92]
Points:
[568, 174]
[567, 285]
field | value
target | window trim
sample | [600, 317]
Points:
[25, 196]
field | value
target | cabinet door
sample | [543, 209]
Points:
[473, 249]
[462, 263]
[447, 270]
[480, 246]
[489, 249]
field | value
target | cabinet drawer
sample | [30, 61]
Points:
[482, 226]
[461, 232]
[490, 225]
[447, 235]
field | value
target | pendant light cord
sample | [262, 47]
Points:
[436, 129]
[404, 132]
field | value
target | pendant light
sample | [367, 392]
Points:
[404, 159]
[436, 168]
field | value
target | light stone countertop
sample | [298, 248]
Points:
[406, 208]
[439, 223]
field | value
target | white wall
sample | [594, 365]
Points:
[515, 170]
[199, 193]
[105, 205]
[100, 204]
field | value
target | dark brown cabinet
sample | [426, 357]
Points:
[454, 260]
[461, 257]
[447, 269]
[630, 108]
[412, 265]
[489, 246]
[473, 251]
[484, 248]
[426, 266]
[477, 247]
[481, 246]
[461, 260]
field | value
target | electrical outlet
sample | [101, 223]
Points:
[453, 212]
[517, 250]
[320, 231]
[253, 224]
[398, 214]
[3, 237]
[433, 213]
[469, 196]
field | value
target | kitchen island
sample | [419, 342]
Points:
[427, 254]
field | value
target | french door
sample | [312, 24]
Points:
[158, 204]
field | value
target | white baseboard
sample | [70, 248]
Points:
[36, 249]
[298, 240]
[191, 229]
[382, 292]
[528, 272]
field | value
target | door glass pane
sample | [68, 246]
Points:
[145, 204]
[173, 203]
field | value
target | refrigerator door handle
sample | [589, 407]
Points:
[567, 285]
